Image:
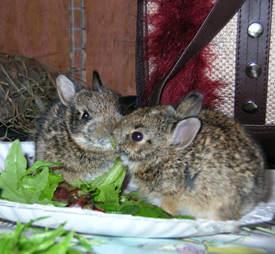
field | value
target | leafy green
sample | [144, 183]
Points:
[106, 192]
[38, 184]
[45, 242]
[35, 185]
[106, 188]
[113, 142]
[144, 208]
[115, 177]
[134, 204]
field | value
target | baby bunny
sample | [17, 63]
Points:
[191, 161]
[76, 130]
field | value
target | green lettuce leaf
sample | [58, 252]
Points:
[35, 185]
[44, 241]
[38, 184]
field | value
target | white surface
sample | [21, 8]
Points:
[270, 192]
[93, 222]
[27, 148]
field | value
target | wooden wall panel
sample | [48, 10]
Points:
[36, 28]
[110, 45]
[39, 29]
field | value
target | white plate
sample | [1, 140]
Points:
[98, 223]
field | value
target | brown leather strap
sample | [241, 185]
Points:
[141, 64]
[252, 61]
[218, 17]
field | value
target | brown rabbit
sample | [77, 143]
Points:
[76, 130]
[192, 162]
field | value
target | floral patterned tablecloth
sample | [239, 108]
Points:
[245, 242]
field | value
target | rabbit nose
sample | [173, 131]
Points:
[110, 127]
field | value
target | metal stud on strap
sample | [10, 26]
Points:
[252, 61]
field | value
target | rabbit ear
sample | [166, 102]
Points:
[185, 132]
[66, 89]
[97, 83]
[191, 105]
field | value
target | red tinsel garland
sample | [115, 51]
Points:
[174, 25]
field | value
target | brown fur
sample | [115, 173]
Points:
[82, 145]
[220, 175]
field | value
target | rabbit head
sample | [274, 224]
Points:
[148, 132]
[92, 113]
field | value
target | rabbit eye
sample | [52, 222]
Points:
[85, 115]
[137, 136]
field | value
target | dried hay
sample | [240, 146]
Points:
[27, 88]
